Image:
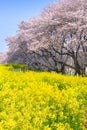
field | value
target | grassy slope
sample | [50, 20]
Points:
[42, 101]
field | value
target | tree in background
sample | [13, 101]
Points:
[57, 34]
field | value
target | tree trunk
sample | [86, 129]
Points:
[77, 67]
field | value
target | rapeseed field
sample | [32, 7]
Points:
[42, 101]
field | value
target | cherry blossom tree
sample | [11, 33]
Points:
[60, 30]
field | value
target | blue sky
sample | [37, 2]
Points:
[12, 12]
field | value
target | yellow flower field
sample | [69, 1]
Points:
[42, 101]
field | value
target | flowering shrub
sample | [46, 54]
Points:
[42, 101]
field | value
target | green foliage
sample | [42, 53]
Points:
[17, 67]
[42, 101]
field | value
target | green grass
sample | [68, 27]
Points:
[16, 67]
